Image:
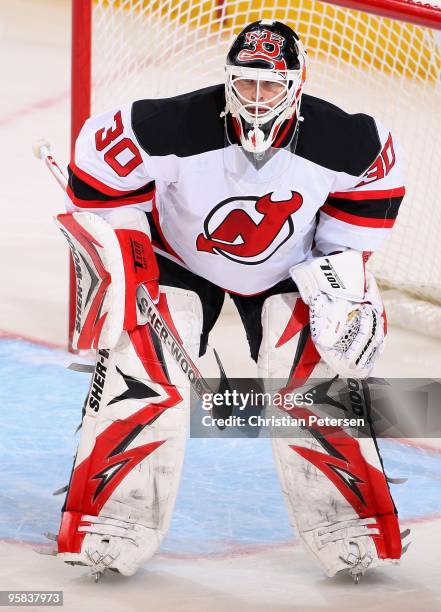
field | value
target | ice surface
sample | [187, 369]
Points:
[229, 497]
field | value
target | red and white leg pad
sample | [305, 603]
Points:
[334, 486]
[127, 468]
[338, 500]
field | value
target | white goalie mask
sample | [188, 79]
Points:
[265, 73]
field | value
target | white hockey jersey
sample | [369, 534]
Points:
[240, 224]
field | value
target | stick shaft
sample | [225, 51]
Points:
[56, 171]
[168, 338]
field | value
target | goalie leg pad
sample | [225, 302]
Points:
[287, 351]
[338, 500]
[127, 468]
[335, 490]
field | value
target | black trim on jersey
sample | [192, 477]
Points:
[332, 138]
[386, 208]
[84, 191]
[185, 125]
[190, 124]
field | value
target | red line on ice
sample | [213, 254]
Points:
[5, 335]
[40, 105]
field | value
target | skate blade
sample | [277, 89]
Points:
[96, 576]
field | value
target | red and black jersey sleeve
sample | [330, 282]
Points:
[360, 212]
[86, 196]
[378, 209]
[110, 169]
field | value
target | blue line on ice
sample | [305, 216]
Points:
[229, 496]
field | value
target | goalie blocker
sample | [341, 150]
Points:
[109, 266]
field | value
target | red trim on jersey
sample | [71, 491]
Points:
[356, 219]
[94, 182]
[246, 294]
[138, 199]
[379, 194]
[155, 216]
[159, 248]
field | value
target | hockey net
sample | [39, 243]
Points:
[381, 57]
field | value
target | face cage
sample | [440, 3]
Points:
[253, 135]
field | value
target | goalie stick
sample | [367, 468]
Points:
[147, 307]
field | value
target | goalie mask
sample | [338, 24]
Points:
[265, 73]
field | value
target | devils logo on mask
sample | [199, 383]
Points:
[264, 46]
[249, 229]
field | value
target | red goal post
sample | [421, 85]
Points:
[382, 57]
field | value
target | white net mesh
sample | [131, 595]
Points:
[364, 63]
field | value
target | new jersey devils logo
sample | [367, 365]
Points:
[249, 230]
[265, 46]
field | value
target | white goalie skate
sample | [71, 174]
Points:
[112, 544]
[348, 546]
